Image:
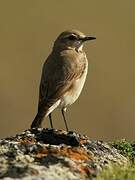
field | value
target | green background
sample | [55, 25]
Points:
[106, 107]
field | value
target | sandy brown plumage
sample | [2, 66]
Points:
[64, 67]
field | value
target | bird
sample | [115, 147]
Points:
[63, 75]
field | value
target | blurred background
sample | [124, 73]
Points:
[106, 107]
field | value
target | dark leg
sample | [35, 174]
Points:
[50, 118]
[64, 118]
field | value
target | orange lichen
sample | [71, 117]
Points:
[83, 141]
[42, 154]
[26, 140]
[72, 153]
[86, 170]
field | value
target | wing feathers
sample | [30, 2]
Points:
[58, 75]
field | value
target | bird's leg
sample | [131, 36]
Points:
[50, 118]
[63, 114]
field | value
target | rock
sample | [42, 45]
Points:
[50, 154]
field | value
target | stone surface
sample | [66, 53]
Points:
[49, 154]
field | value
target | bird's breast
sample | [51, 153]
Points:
[72, 95]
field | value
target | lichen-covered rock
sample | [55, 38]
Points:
[49, 154]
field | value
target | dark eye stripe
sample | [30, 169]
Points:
[72, 37]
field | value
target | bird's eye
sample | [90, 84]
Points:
[72, 37]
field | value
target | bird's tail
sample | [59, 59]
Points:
[44, 109]
[36, 123]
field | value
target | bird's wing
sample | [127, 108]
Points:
[58, 77]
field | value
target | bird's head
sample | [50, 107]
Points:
[71, 39]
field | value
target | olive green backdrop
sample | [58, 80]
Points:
[106, 107]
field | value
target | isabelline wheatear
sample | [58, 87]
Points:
[63, 75]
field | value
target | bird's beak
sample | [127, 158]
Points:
[87, 38]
